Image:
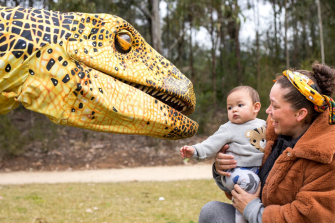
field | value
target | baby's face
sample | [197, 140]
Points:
[240, 107]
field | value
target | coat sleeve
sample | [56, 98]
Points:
[315, 201]
[213, 144]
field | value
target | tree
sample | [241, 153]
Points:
[150, 10]
[286, 44]
[256, 19]
[320, 30]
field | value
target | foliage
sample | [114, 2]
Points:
[21, 128]
[11, 139]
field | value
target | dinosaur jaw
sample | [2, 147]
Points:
[115, 106]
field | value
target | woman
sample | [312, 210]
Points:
[298, 172]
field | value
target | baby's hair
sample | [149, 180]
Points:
[252, 92]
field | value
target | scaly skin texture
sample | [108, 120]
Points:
[92, 71]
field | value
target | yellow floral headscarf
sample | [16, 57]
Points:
[307, 87]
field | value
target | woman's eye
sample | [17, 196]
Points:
[123, 41]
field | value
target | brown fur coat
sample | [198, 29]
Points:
[301, 185]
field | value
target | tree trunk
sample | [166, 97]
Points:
[295, 35]
[190, 19]
[275, 27]
[30, 3]
[180, 44]
[212, 28]
[156, 26]
[307, 51]
[222, 48]
[320, 30]
[238, 55]
[312, 34]
[168, 24]
[256, 12]
[286, 45]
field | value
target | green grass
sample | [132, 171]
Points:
[112, 202]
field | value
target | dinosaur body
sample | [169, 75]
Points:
[92, 71]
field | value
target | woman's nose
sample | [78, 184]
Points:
[268, 110]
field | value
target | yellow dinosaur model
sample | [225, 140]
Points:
[92, 71]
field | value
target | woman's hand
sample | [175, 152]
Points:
[224, 162]
[241, 198]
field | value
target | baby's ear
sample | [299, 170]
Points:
[248, 134]
[257, 106]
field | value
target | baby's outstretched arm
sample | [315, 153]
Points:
[187, 151]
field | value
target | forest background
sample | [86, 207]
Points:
[217, 44]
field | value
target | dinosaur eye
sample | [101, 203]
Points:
[123, 41]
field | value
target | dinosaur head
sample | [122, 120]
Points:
[143, 93]
[92, 71]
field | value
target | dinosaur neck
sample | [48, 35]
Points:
[23, 33]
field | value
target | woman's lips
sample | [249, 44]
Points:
[274, 122]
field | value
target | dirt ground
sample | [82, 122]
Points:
[137, 174]
[116, 151]
[49, 147]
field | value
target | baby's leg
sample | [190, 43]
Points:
[244, 177]
[247, 179]
[239, 217]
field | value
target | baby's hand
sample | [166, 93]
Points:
[187, 151]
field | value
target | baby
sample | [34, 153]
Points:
[245, 135]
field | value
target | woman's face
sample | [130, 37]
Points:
[282, 116]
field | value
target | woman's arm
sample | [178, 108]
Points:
[315, 201]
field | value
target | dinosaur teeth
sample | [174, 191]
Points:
[155, 92]
[163, 96]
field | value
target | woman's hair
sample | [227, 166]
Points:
[252, 92]
[323, 77]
